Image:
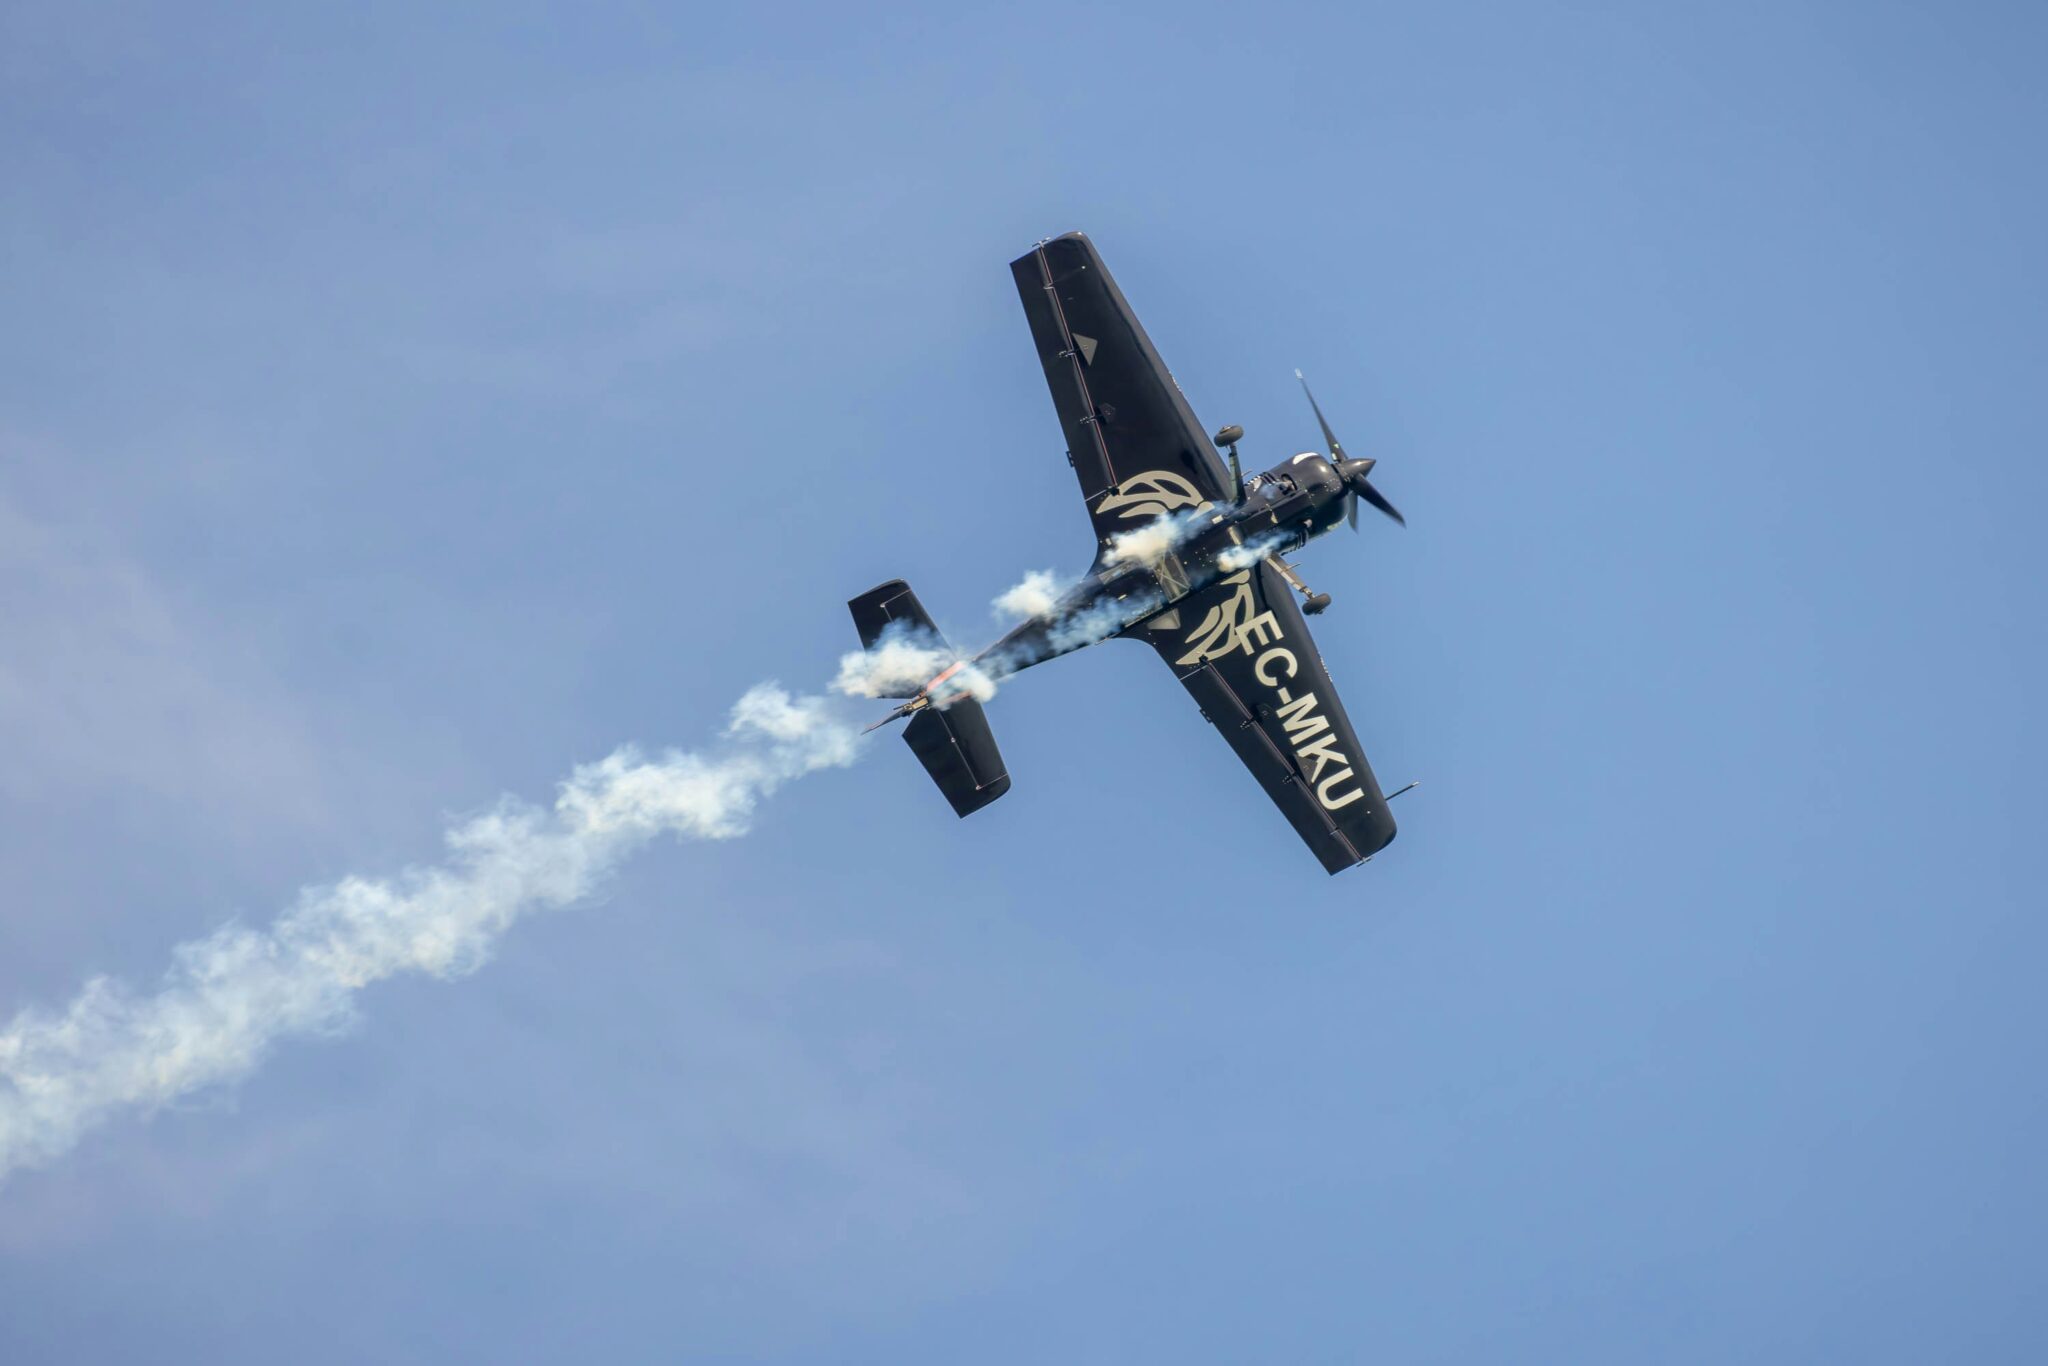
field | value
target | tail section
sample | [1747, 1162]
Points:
[953, 742]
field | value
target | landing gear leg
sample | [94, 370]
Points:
[1312, 602]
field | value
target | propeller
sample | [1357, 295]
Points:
[1352, 472]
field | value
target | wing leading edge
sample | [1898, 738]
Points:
[1242, 650]
[1131, 437]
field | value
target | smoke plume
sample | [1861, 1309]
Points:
[1146, 546]
[231, 995]
[1035, 595]
[902, 660]
[1236, 557]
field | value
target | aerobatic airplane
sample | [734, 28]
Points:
[1188, 559]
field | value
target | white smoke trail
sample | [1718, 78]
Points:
[1146, 546]
[1035, 595]
[230, 996]
[1236, 557]
[902, 660]
[907, 656]
[1092, 625]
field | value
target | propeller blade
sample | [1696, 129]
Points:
[1329, 437]
[1355, 483]
[1373, 496]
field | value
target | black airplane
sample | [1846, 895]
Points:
[1188, 560]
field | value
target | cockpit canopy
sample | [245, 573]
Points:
[1273, 485]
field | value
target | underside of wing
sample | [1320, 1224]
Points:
[1242, 650]
[1131, 437]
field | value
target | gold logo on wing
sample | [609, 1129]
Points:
[1151, 494]
[1223, 626]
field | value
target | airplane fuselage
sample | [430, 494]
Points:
[1134, 578]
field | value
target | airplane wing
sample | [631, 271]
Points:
[1242, 649]
[1131, 437]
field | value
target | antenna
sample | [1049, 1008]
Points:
[1230, 436]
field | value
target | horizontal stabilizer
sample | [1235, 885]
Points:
[957, 748]
[876, 610]
[891, 609]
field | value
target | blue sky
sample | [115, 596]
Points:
[400, 408]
